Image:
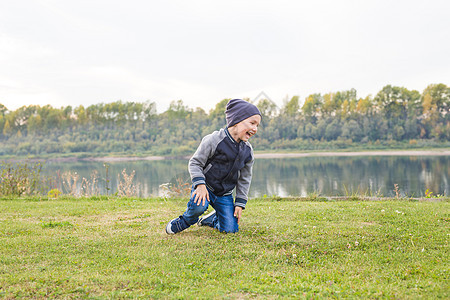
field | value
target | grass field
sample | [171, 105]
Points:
[117, 248]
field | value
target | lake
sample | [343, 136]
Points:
[327, 176]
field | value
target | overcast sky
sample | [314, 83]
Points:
[81, 52]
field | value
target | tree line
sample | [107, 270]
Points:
[330, 121]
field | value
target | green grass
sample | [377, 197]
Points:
[117, 248]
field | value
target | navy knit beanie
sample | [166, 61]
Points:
[238, 110]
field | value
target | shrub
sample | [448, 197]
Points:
[126, 186]
[20, 178]
[54, 193]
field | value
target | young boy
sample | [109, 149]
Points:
[222, 162]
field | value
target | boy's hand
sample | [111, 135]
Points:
[238, 213]
[200, 194]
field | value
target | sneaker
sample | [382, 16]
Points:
[207, 220]
[174, 226]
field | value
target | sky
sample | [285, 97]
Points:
[85, 52]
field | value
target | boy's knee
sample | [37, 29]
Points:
[197, 209]
[229, 228]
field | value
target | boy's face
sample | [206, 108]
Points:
[246, 128]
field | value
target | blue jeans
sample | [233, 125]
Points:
[224, 221]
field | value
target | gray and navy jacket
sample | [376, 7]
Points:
[222, 164]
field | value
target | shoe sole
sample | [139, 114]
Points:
[199, 223]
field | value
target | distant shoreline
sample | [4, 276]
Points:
[262, 155]
[443, 152]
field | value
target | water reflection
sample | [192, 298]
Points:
[333, 176]
[336, 176]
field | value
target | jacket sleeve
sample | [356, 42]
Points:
[198, 161]
[243, 184]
